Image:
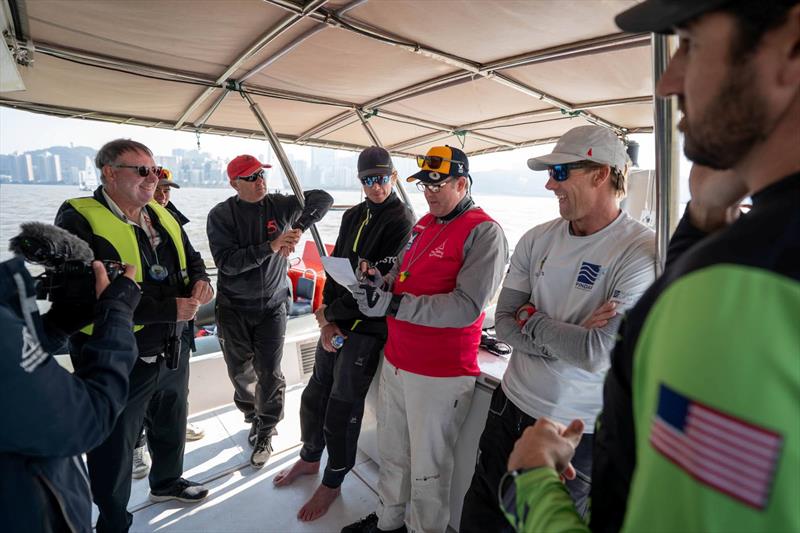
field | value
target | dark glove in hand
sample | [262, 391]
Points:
[372, 301]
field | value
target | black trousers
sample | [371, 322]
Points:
[187, 344]
[332, 404]
[252, 345]
[156, 397]
[504, 425]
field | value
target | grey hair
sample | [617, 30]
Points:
[110, 151]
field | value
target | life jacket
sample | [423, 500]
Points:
[433, 260]
[122, 237]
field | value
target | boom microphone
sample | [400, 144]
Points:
[49, 246]
[67, 260]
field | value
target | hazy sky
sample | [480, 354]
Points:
[21, 131]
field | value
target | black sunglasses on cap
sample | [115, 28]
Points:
[142, 170]
[433, 161]
[259, 174]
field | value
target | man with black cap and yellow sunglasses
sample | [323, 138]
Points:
[433, 300]
[699, 429]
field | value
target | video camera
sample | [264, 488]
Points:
[68, 277]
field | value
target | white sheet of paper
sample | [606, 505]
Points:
[340, 270]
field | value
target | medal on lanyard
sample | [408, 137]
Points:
[403, 275]
[158, 272]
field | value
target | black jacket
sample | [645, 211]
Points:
[49, 416]
[250, 276]
[385, 231]
[157, 310]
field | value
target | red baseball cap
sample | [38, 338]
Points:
[244, 165]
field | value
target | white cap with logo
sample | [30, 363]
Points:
[585, 143]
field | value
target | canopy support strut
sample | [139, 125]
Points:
[667, 155]
[294, 182]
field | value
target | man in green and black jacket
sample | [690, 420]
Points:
[701, 423]
[333, 402]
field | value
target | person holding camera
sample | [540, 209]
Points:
[121, 222]
[49, 416]
[251, 234]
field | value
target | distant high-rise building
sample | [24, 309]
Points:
[23, 172]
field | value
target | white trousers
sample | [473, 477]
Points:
[419, 418]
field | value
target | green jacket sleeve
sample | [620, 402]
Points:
[541, 504]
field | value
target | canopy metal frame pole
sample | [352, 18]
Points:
[273, 33]
[294, 182]
[377, 142]
[667, 155]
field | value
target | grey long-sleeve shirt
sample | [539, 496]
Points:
[558, 366]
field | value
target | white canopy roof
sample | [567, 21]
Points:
[485, 75]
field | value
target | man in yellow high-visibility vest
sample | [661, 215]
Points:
[122, 222]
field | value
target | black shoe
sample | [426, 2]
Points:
[251, 437]
[182, 490]
[369, 524]
[261, 451]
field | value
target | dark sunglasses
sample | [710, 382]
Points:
[561, 172]
[433, 161]
[142, 170]
[369, 181]
[259, 174]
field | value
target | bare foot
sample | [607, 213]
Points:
[300, 468]
[319, 503]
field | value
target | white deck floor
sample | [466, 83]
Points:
[242, 499]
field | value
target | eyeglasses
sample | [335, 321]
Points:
[433, 161]
[259, 174]
[561, 172]
[142, 170]
[369, 181]
[432, 187]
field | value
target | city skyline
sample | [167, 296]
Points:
[22, 131]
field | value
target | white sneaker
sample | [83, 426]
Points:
[194, 432]
[141, 462]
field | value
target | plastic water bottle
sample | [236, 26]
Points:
[337, 341]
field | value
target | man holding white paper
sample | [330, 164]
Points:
[333, 402]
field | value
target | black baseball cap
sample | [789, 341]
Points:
[662, 16]
[374, 161]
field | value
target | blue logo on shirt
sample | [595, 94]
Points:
[587, 275]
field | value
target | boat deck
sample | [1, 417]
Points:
[242, 499]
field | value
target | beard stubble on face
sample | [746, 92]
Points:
[731, 125]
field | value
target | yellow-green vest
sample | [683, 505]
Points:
[122, 236]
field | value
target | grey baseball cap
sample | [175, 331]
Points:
[585, 143]
[662, 16]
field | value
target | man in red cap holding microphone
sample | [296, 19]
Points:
[250, 235]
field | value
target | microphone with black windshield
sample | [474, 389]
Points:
[67, 260]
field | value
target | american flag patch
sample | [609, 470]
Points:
[723, 452]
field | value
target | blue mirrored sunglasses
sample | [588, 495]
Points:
[369, 181]
[561, 172]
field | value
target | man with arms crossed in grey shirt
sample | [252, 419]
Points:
[559, 308]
